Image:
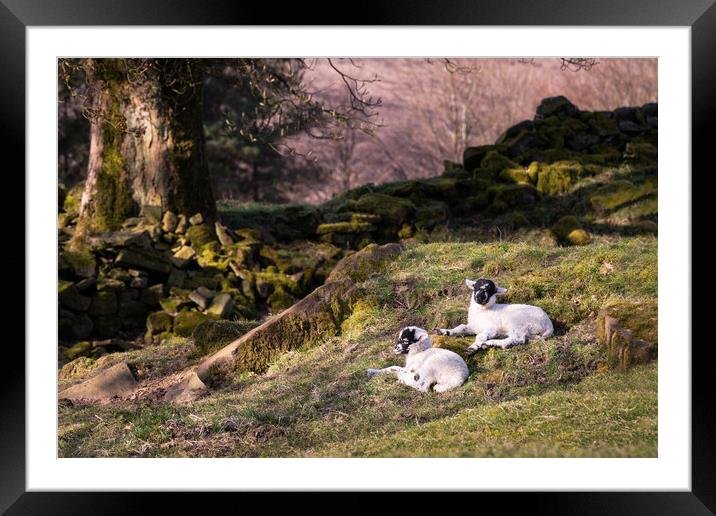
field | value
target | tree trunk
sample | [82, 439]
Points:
[147, 142]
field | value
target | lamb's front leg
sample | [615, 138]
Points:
[507, 342]
[481, 339]
[392, 369]
[457, 331]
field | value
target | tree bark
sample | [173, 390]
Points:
[147, 142]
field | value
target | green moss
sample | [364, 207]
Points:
[158, 322]
[392, 210]
[210, 336]
[186, 321]
[515, 175]
[82, 262]
[73, 198]
[345, 227]
[280, 299]
[569, 231]
[494, 161]
[201, 236]
[473, 156]
[618, 193]
[511, 196]
[558, 177]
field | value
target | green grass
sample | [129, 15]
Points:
[548, 398]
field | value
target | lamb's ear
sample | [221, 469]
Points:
[501, 291]
[470, 283]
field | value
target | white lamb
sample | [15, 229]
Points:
[486, 319]
[426, 367]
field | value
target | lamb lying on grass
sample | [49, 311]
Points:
[426, 367]
[486, 319]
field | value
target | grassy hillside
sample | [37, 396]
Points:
[547, 398]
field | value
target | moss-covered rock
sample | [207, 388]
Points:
[221, 306]
[70, 297]
[345, 227]
[158, 322]
[361, 264]
[392, 210]
[82, 349]
[473, 156]
[200, 236]
[558, 177]
[558, 106]
[82, 262]
[641, 151]
[628, 330]
[518, 175]
[511, 196]
[143, 259]
[618, 193]
[495, 162]
[186, 321]
[280, 299]
[104, 303]
[307, 323]
[569, 231]
[210, 336]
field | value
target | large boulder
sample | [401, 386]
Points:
[558, 106]
[307, 323]
[117, 381]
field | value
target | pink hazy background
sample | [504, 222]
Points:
[430, 112]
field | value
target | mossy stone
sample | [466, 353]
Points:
[513, 196]
[186, 321]
[104, 303]
[473, 156]
[280, 299]
[569, 231]
[618, 193]
[515, 175]
[209, 336]
[70, 297]
[200, 236]
[494, 161]
[80, 349]
[559, 177]
[82, 262]
[392, 210]
[158, 322]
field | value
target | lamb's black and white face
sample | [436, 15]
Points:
[484, 291]
[406, 338]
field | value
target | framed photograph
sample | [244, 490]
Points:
[418, 256]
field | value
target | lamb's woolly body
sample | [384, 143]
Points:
[517, 323]
[429, 368]
[507, 319]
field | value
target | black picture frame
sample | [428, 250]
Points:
[17, 15]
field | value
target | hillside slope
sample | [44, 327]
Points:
[547, 398]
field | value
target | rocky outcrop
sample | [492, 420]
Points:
[309, 322]
[628, 330]
[164, 274]
[117, 381]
